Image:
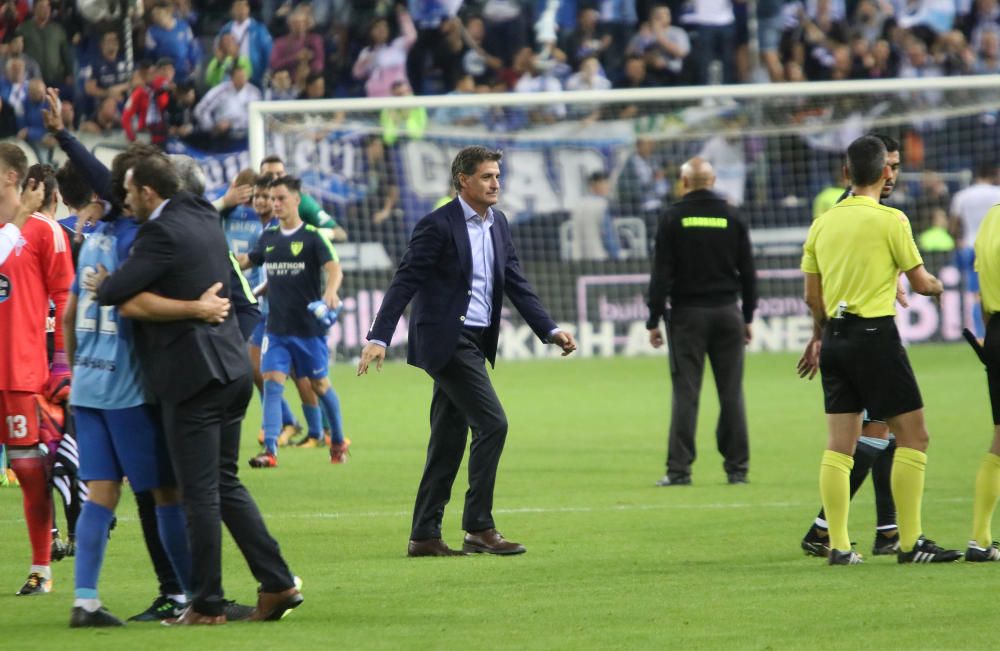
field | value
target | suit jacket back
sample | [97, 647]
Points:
[179, 255]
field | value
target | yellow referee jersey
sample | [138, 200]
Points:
[988, 260]
[859, 247]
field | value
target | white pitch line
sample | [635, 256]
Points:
[545, 510]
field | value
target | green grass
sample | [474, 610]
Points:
[612, 561]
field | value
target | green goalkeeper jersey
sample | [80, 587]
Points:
[313, 214]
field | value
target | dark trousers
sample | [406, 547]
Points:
[711, 42]
[463, 397]
[203, 435]
[719, 332]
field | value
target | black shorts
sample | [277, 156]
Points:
[991, 350]
[864, 366]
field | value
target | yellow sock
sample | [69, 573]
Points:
[985, 501]
[908, 469]
[835, 489]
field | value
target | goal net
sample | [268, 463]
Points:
[586, 174]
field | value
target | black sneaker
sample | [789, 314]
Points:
[738, 478]
[927, 551]
[36, 584]
[236, 612]
[71, 548]
[815, 545]
[850, 557]
[163, 607]
[83, 618]
[676, 480]
[885, 545]
[976, 554]
[59, 549]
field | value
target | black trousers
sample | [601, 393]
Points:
[203, 435]
[719, 332]
[463, 397]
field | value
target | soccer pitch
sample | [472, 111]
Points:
[612, 562]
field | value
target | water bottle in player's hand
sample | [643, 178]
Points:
[324, 314]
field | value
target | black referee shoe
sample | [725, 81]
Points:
[885, 545]
[677, 480]
[850, 557]
[815, 545]
[976, 554]
[927, 551]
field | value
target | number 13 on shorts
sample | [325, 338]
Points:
[19, 414]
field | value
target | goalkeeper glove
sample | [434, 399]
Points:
[58, 385]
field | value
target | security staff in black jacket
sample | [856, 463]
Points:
[703, 265]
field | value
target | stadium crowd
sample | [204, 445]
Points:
[189, 68]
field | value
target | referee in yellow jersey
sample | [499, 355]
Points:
[852, 258]
[981, 546]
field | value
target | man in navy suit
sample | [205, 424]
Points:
[460, 263]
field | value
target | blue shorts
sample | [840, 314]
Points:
[257, 336]
[965, 260]
[307, 356]
[116, 443]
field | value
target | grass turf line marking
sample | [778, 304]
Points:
[547, 510]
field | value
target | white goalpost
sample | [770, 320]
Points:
[380, 164]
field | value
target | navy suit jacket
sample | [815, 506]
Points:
[180, 255]
[436, 274]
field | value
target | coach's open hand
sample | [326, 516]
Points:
[213, 308]
[565, 341]
[371, 353]
[52, 116]
[809, 362]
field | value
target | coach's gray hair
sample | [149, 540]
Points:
[469, 159]
[191, 175]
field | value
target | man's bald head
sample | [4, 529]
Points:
[697, 174]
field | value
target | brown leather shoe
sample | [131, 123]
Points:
[489, 541]
[272, 606]
[190, 617]
[431, 547]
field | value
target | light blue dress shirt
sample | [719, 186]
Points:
[481, 294]
[481, 301]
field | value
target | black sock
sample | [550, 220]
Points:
[72, 509]
[150, 532]
[55, 527]
[885, 508]
[864, 457]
